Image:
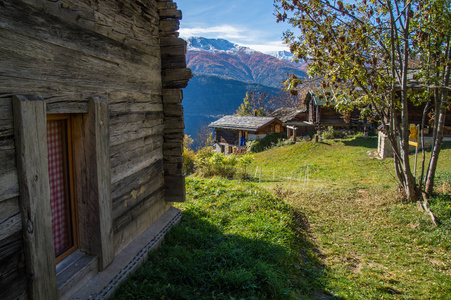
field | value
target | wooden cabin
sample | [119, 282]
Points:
[321, 111]
[231, 132]
[415, 113]
[293, 121]
[91, 133]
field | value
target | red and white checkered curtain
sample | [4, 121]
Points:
[58, 198]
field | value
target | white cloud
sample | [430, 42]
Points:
[227, 32]
[237, 35]
[267, 47]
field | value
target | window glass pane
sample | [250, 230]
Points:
[59, 196]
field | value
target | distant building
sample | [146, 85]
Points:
[232, 132]
[293, 121]
[321, 111]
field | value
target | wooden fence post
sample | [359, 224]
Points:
[260, 177]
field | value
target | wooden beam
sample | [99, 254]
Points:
[32, 164]
[175, 188]
[93, 181]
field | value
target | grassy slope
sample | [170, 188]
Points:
[373, 245]
[346, 234]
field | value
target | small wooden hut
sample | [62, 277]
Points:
[321, 111]
[91, 131]
[231, 132]
[293, 121]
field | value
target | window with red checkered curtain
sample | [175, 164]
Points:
[60, 185]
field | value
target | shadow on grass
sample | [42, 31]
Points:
[362, 142]
[199, 261]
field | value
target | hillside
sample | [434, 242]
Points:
[344, 235]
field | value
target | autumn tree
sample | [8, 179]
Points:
[262, 104]
[364, 51]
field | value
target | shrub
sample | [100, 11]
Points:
[331, 133]
[267, 142]
[188, 155]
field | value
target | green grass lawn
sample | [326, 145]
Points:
[346, 235]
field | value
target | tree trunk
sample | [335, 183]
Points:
[429, 187]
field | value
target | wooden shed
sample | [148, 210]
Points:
[293, 121]
[91, 131]
[321, 110]
[231, 132]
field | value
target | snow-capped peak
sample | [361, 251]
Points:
[214, 45]
[283, 55]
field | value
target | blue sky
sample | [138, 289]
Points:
[248, 23]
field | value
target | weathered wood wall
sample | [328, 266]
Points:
[228, 136]
[125, 51]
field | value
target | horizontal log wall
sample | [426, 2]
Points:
[175, 77]
[13, 281]
[68, 51]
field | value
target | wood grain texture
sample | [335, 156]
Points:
[172, 96]
[32, 164]
[13, 283]
[129, 22]
[93, 181]
[174, 192]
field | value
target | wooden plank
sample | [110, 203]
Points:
[9, 208]
[147, 141]
[173, 61]
[137, 153]
[173, 148]
[169, 26]
[140, 208]
[176, 78]
[13, 283]
[7, 155]
[135, 165]
[6, 117]
[173, 110]
[9, 185]
[172, 96]
[166, 5]
[122, 118]
[140, 193]
[67, 107]
[20, 55]
[124, 128]
[173, 169]
[57, 92]
[10, 226]
[136, 107]
[128, 184]
[136, 134]
[170, 13]
[93, 186]
[174, 188]
[106, 19]
[32, 163]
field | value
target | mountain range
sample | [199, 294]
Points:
[223, 73]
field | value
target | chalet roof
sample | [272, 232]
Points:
[241, 122]
[286, 114]
[321, 97]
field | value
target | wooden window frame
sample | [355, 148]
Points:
[70, 187]
[91, 143]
